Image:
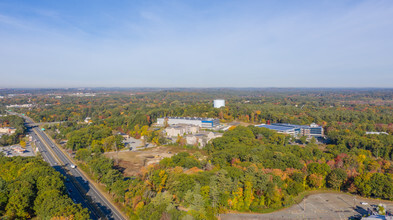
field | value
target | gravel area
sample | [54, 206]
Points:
[10, 152]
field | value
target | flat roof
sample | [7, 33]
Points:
[294, 126]
[277, 127]
[190, 118]
[284, 126]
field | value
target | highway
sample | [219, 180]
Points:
[78, 186]
[72, 189]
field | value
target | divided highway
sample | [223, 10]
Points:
[72, 189]
[78, 186]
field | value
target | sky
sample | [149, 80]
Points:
[196, 43]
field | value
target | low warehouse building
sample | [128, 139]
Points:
[201, 122]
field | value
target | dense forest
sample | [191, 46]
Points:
[30, 188]
[249, 168]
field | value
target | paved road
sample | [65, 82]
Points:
[80, 190]
[72, 189]
[47, 123]
[104, 205]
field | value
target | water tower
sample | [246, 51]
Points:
[218, 103]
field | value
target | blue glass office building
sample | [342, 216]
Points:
[313, 130]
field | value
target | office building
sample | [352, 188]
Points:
[312, 130]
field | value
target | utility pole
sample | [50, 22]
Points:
[354, 202]
[117, 153]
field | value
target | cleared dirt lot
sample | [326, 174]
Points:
[319, 206]
[132, 161]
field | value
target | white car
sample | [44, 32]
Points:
[72, 166]
[364, 203]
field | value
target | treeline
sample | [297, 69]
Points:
[348, 136]
[30, 188]
[103, 171]
[100, 138]
[15, 122]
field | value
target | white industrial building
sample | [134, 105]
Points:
[218, 103]
[201, 122]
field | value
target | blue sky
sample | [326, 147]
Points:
[77, 43]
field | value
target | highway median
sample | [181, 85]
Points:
[87, 176]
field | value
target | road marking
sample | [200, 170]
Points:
[83, 177]
[112, 208]
[57, 159]
[42, 141]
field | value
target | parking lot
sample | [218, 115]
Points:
[319, 206]
[10, 152]
[131, 144]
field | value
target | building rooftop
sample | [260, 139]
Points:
[191, 118]
[375, 132]
[313, 125]
[276, 127]
[287, 127]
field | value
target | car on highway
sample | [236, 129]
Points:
[364, 203]
[73, 166]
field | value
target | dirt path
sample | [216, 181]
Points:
[132, 161]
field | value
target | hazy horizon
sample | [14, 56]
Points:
[176, 44]
[194, 87]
